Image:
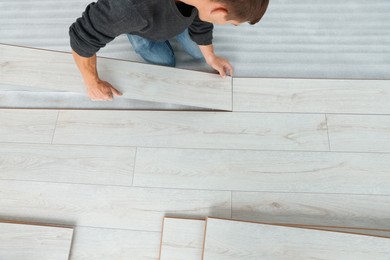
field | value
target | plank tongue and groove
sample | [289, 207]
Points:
[33, 69]
[22, 241]
[182, 239]
[229, 240]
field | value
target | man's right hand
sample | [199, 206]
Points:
[102, 91]
[98, 90]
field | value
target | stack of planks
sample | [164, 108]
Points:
[223, 239]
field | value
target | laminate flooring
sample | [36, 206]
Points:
[227, 239]
[20, 241]
[114, 175]
[43, 70]
[184, 238]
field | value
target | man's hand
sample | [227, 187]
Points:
[97, 89]
[102, 91]
[218, 63]
[221, 65]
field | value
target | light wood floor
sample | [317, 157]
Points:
[312, 152]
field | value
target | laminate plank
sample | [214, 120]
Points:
[193, 130]
[21, 241]
[182, 239]
[118, 244]
[56, 71]
[106, 206]
[366, 133]
[353, 211]
[311, 95]
[27, 126]
[227, 239]
[240, 170]
[67, 163]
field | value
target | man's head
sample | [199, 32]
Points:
[233, 11]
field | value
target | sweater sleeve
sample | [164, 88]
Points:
[100, 23]
[201, 32]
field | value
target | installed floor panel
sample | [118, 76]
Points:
[193, 130]
[23, 241]
[311, 95]
[230, 240]
[300, 39]
[243, 170]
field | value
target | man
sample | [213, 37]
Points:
[149, 24]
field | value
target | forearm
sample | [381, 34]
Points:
[87, 67]
[97, 89]
[207, 51]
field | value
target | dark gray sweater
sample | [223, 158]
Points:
[157, 20]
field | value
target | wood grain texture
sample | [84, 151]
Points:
[27, 126]
[106, 206]
[226, 239]
[19, 242]
[193, 130]
[67, 163]
[182, 239]
[263, 171]
[355, 211]
[359, 133]
[312, 95]
[56, 71]
[118, 244]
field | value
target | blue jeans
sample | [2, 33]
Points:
[161, 53]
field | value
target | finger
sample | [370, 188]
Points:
[116, 92]
[229, 67]
[222, 72]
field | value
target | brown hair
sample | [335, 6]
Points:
[245, 10]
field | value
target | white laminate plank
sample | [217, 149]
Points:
[118, 244]
[366, 133]
[312, 95]
[27, 126]
[263, 170]
[182, 239]
[227, 239]
[193, 130]
[106, 206]
[67, 163]
[168, 85]
[21, 241]
[56, 71]
[354, 211]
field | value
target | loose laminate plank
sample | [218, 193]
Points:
[182, 239]
[354, 211]
[56, 71]
[67, 163]
[363, 133]
[312, 95]
[193, 130]
[227, 239]
[27, 126]
[263, 170]
[22, 241]
[106, 206]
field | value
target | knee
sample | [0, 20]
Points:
[158, 53]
